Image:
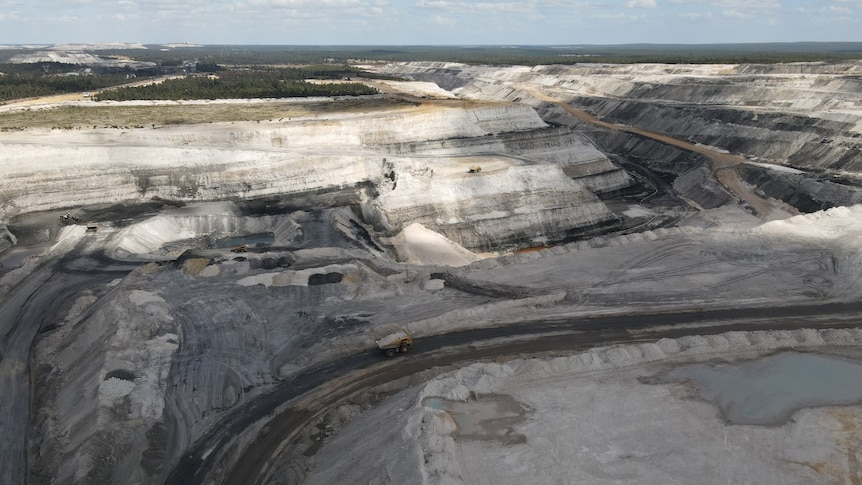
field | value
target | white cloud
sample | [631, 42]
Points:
[736, 14]
[490, 7]
[68, 19]
[11, 17]
[641, 4]
[306, 4]
[442, 21]
[54, 4]
[339, 11]
[733, 4]
[696, 15]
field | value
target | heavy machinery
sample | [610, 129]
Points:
[395, 343]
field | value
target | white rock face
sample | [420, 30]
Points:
[418, 245]
[76, 55]
[808, 115]
[504, 205]
[526, 189]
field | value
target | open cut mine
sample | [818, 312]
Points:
[581, 255]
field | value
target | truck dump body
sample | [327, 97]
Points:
[398, 342]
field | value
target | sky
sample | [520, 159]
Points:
[428, 22]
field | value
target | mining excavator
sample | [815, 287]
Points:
[395, 343]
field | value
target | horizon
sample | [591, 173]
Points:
[132, 44]
[431, 22]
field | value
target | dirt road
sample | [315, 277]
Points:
[723, 164]
[58, 99]
[295, 403]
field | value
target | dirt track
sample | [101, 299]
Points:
[722, 163]
[295, 403]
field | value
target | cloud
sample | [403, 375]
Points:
[696, 15]
[306, 4]
[736, 14]
[733, 4]
[71, 3]
[468, 7]
[11, 17]
[442, 21]
[68, 19]
[641, 4]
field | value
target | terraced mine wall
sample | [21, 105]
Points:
[401, 166]
[805, 192]
[673, 171]
[794, 140]
[806, 115]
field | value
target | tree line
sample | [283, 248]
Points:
[19, 81]
[226, 55]
[31, 80]
[283, 83]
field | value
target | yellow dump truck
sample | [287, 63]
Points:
[395, 343]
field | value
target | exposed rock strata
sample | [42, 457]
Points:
[54, 169]
[806, 115]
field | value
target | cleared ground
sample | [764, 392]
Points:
[104, 114]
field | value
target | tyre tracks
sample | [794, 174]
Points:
[295, 403]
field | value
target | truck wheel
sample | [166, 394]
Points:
[390, 352]
[405, 348]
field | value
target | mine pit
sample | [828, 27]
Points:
[581, 289]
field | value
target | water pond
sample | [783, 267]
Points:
[16, 256]
[491, 417]
[253, 240]
[769, 390]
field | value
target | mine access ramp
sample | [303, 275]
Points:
[395, 343]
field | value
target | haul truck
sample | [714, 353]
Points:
[394, 343]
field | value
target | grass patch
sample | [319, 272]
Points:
[106, 116]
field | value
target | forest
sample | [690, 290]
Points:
[283, 71]
[30, 80]
[530, 55]
[42, 79]
[235, 84]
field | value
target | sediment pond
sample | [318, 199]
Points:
[767, 391]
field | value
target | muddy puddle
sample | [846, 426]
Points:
[769, 390]
[16, 256]
[262, 239]
[491, 417]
